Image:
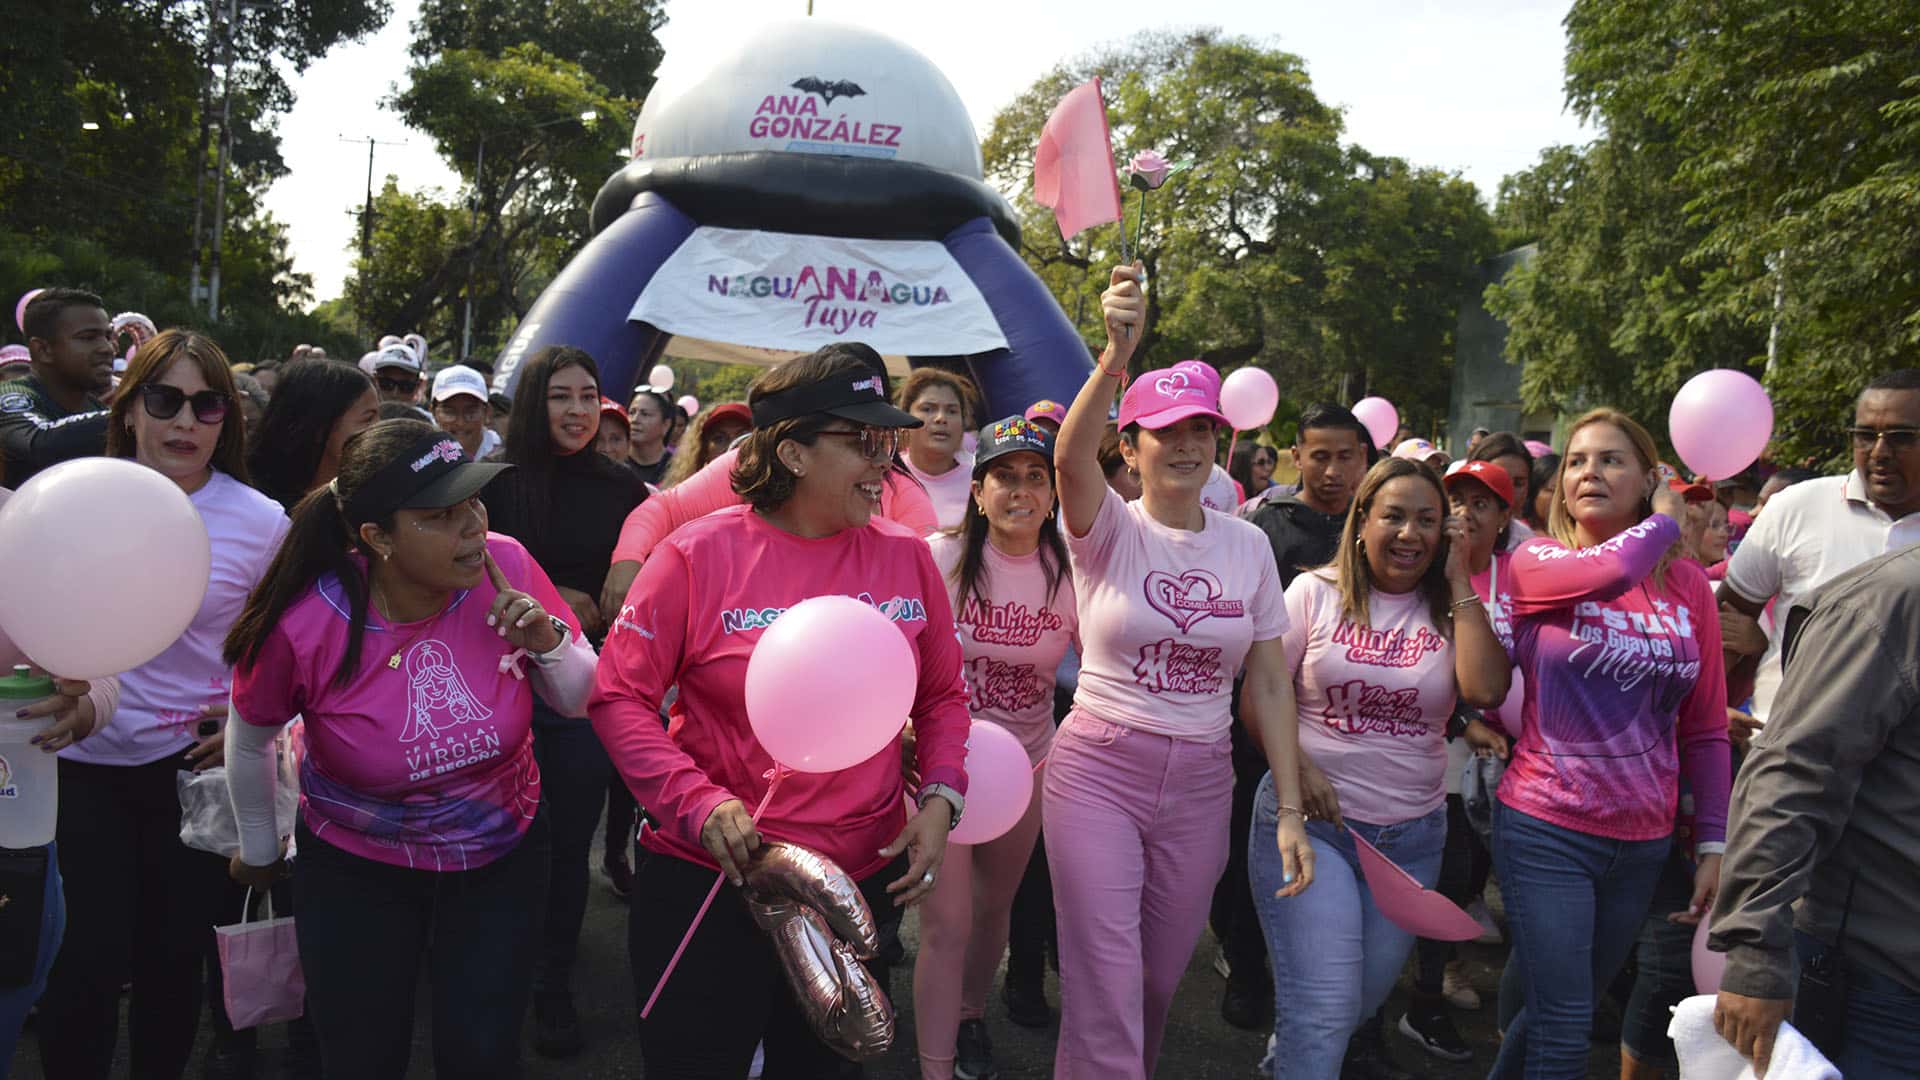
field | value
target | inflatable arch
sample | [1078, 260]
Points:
[821, 183]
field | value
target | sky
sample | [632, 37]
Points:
[1471, 86]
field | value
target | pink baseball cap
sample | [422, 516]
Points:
[1047, 409]
[1203, 370]
[1169, 395]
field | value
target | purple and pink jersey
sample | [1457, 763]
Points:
[424, 758]
[1626, 687]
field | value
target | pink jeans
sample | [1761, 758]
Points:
[1136, 838]
[963, 929]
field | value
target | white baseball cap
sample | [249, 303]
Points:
[395, 356]
[456, 380]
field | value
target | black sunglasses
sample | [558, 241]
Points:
[163, 402]
[397, 386]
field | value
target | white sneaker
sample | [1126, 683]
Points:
[759, 1062]
[1489, 930]
[1457, 990]
[1220, 965]
[1265, 1068]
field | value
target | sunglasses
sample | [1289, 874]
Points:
[163, 402]
[875, 442]
[397, 386]
[1899, 440]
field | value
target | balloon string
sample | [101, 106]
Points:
[779, 773]
[1231, 441]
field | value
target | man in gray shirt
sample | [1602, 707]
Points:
[1826, 813]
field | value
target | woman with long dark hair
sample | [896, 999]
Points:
[316, 407]
[1251, 467]
[566, 503]
[812, 474]
[412, 642]
[139, 901]
[1507, 451]
[1006, 569]
[1620, 647]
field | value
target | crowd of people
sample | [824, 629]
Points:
[484, 624]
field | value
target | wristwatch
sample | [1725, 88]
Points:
[566, 635]
[954, 799]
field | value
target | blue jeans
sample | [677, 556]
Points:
[15, 1003]
[1575, 903]
[1879, 1039]
[1335, 956]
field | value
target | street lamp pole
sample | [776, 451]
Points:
[473, 217]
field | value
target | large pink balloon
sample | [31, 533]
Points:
[1381, 418]
[999, 784]
[20, 308]
[1707, 964]
[1720, 422]
[109, 564]
[1248, 398]
[689, 404]
[829, 684]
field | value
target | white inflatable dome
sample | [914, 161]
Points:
[812, 86]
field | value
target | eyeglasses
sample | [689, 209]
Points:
[397, 386]
[469, 413]
[163, 402]
[875, 442]
[1899, 440]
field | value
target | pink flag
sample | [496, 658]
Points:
[1411, 906]
[1073, 166]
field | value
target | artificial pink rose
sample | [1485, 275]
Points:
[1148, 169]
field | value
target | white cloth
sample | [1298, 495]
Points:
[161, 700]
[252, 783]
[1704, 1055]
[1810, 534]
[1218, 494]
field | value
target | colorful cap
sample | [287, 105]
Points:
[1486, 472]
[1047, 409]
[1011, 436]
[1416, 449]
[1169, 395]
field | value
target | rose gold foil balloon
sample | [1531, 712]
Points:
[822, 928]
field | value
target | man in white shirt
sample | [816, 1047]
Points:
[1817, 530]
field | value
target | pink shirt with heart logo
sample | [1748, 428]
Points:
[1167, 617]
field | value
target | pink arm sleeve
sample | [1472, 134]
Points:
[904, 502]
[695, 497]
[1706, 760]
[1545, 575]
[641, 658]
[940, 717]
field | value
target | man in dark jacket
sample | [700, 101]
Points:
[1822, 872]
[1331, 450]
[57, 413]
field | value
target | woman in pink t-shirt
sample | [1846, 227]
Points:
[1013, 603]
[1174, 600]
[812, 474]
[412, 641]
[946, 404]
[1382, 642]
[1620, 646]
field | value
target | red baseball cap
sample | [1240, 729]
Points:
[608, 405]
[733, 410]
[1169, 395]
[1692, 491]
[1485, 472]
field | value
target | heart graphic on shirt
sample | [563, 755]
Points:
[1175, 385]
[1188, 598]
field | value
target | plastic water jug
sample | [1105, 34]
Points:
[29, 778]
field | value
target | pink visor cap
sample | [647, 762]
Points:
[1169, 395]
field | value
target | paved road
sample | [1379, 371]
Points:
[1199, 1045]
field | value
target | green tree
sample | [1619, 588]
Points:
[1336, 270]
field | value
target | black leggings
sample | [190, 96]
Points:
[140, 905]
[1464, 866]
[728, 992]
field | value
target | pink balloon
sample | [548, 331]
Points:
[1248, 397]
[1537, 448]
[830, 684]
[1708, 965]
[119, 561]
[690, 404]
[20, 308]
[1381, 418]
[999, 784]
[1720, 422]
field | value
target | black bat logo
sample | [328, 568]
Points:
[830, 90]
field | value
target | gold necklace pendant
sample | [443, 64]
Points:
[394, 661]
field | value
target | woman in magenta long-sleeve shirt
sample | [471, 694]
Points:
[1620, 649]
[812, 476]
